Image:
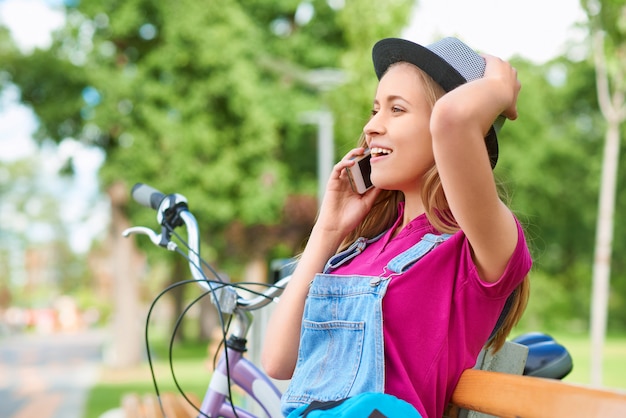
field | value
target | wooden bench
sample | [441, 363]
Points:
[506, 395]
[496, 387]
[147, 406]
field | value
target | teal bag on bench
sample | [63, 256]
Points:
[365, 405]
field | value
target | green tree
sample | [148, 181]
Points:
[607, 27]
[553, 155]
[31, 221]
[205, 98]
[548, 163]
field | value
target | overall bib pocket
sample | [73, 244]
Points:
[331, 345]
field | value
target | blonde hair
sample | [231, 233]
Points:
[385, 212]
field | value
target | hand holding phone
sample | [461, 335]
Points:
[359, 173]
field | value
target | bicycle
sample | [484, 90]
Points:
[232, 367]
[546, 358]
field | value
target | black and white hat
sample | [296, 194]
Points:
[448, 61]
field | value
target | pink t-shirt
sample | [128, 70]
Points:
[438, 315]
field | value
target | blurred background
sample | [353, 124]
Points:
[243, 107]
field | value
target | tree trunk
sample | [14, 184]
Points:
[126, 347]
[612, 108]
[180, 272]
[602, 259]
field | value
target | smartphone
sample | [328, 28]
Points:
[359, 174]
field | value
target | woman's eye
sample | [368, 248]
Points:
[396, 109]
[374, 112]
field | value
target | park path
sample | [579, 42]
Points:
[48, 376]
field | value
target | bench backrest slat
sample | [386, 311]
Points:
[507, 395]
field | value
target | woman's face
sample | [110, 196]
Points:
[398, 134]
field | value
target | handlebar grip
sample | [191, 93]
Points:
[147, 196]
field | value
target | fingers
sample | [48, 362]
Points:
[504, 71]
[347, 161]
[355, 152]
[511, 111]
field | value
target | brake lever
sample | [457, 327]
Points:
[154, 237]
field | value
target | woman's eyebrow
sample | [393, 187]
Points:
[391, 98]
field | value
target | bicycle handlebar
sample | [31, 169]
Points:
[147, 196]
[172, 211]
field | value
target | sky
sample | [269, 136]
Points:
[534, 29]
[30, 23]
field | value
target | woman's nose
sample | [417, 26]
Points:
[373, 127]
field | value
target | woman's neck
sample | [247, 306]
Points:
[413, 207]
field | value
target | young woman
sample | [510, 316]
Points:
[399, 288]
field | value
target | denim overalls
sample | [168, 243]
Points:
[341, 350]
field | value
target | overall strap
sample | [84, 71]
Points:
[349, 253]
[405, 260]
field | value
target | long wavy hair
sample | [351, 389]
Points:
[385, 212]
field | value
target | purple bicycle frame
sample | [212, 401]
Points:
[247, 376]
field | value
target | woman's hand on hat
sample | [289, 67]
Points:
[499, 69]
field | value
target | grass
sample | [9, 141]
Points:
[614, 361]
[192, 367]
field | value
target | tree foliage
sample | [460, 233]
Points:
[205, 98]
[551, 160]
[544, 160]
